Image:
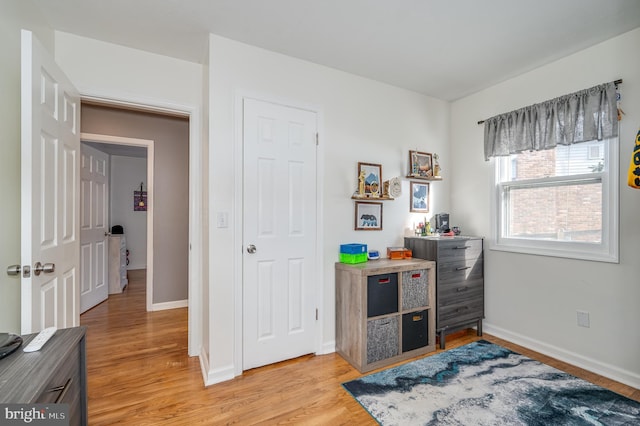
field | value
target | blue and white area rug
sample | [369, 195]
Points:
[485, 384]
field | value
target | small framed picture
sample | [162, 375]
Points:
[370, 179]
[419, 197]
[368, 216]
[420, 164]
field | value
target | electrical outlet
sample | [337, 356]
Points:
[583, 319]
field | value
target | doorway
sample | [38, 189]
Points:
[176, 224]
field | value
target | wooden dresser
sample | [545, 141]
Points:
[56, 373]
[384, 311]
[459, 280]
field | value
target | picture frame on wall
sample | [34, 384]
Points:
[370, 179]
[420, 164]
[419, 197]
[368, 216]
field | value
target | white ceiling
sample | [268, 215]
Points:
[443, 48]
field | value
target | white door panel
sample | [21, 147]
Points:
[50, 110]
[94, 176]
[279, 219]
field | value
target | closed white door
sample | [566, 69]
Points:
[50, 233]
[94, 190]
[279, 233]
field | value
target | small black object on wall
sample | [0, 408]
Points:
[117, 229]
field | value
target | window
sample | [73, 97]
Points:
[559, 202]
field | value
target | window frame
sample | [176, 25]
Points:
[605, 251]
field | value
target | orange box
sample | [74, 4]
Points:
[395, 253]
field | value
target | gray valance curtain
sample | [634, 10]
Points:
[583, 116]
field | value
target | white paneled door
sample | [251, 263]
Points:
[279, 233]
[50, 185]
[94, 190]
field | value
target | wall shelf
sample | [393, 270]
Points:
[429, 178]
[381, 198]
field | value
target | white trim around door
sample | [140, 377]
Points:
[195, 194]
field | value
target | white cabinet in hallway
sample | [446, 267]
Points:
[117, 263]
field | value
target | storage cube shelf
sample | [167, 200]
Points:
[383, 311]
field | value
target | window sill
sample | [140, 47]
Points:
[588, 252]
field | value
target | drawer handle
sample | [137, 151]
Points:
[462, 289]
[461, 247]
[462, 268]
[464, 308]
[418, 275]
[417, 318]
[383, 281]
[62, 389]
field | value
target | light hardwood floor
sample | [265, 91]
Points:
[139, 374]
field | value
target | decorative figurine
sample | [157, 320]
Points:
[436, 166]
[361, 185]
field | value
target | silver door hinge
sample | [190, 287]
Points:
[316, 314]
[317, 139]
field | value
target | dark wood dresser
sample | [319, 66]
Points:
[459, 280]
[56, 373]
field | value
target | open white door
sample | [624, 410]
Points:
[49, 184]
[94, 225]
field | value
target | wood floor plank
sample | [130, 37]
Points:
[139, 373]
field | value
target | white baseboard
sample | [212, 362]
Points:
[595, 366]
[218, 375]
[170, 305]
[136, 267]
[327, 348]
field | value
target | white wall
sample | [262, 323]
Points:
[363, 120]
[126, 175]
[533, 300]
[99, 68]
[14, 16]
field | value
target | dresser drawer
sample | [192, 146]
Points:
[463, 292]
[59, 385]
[64, 388]
[459, 271]
[460, 313]
[459, 249]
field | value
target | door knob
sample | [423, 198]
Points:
[251, 248]
[47, 268]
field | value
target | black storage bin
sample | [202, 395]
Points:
[414, 330]
[382, 294]
[117, 230]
